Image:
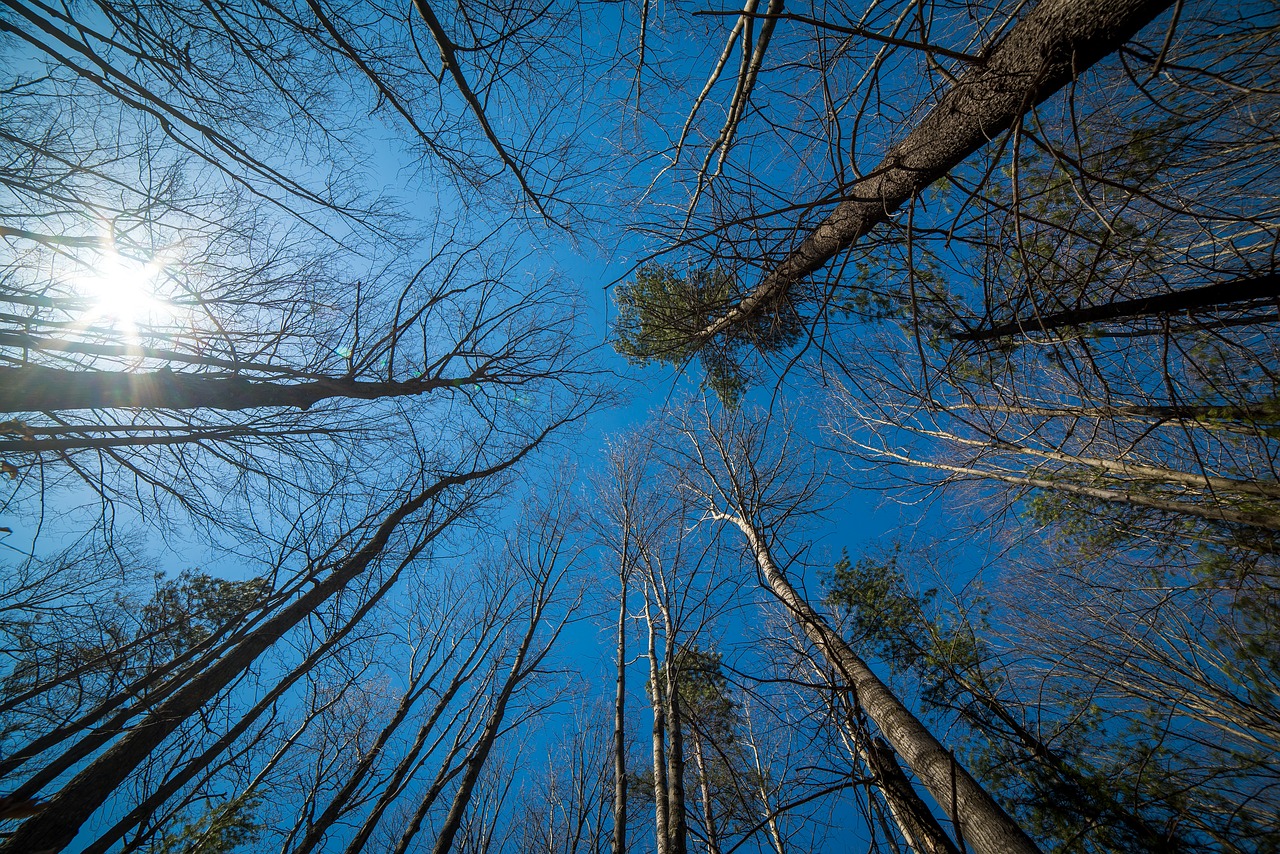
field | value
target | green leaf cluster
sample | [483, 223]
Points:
[662, 312]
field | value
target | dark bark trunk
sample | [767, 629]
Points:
[171, 786]
[1056, 42]
[443, 777]
[337, 805]
[38, 389]
[86, 442]
[410, 763]
[619, 844]
[677, 821]
[919, 827]
[1218, 295]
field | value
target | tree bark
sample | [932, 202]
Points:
[987, 827]
[1054, 44]
[619, 845]
[660, 805]
[1219, 294]
[918, 826]
[39, 389]
[677, 820]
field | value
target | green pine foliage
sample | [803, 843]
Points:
[1065, 789]
[661, 311]
[221, 829]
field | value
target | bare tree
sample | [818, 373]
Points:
[743, 482]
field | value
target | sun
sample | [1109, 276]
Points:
[121, 292]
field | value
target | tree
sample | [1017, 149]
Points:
[1043, 52]
[756, 494]
[222, 829]
[1058, 794]
[192, 303]
[327, 382]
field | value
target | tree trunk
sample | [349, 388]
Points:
[156, 799]
[38, 389]
[409, 763]
[317, 829]
[708, 808]
[479, 754]
[660, 806]
[918, 826]
[677, 820]
[987, 828]
[1056, 42]
[619, 845]
[1269, 521]
[1136, 471]
[1217, 295]
[67, 810]
[1240, 419]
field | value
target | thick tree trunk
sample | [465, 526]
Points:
[677, 820]
[67, 810]
[37, 389]
[661, 807]
[919, 828]
[619, 845]
[1056, 42]
[987, 827]
[1217, 295]
[173, 784]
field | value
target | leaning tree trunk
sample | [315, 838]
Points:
[484, 745]
[1055, 43]
[152, 803]
[987, 828]
[921, 830]
[57, 825]
[1217, 295]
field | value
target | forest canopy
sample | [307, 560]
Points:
[639, 427]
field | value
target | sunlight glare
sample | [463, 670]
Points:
[122, 291]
